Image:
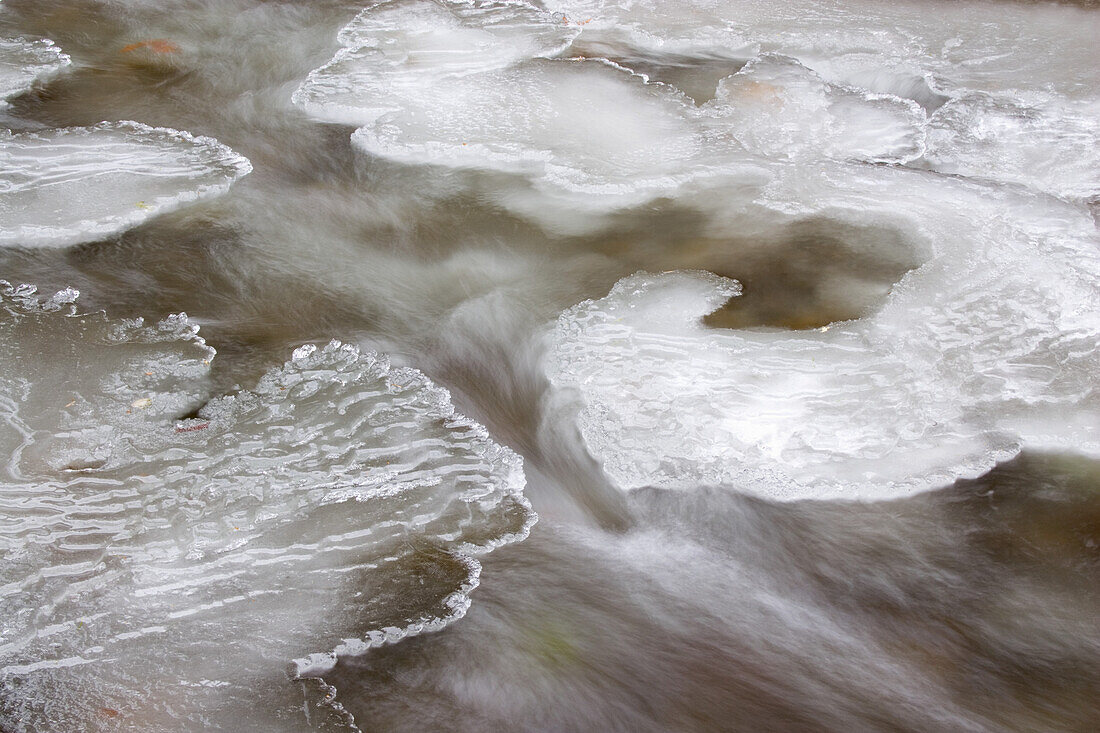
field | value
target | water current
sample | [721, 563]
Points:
[575, 365]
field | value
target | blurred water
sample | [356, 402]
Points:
[905, 192]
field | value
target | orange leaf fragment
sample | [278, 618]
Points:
[156, 45]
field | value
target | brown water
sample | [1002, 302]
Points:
[972, 607]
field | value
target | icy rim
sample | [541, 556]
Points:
[135, 154]
[24, 63]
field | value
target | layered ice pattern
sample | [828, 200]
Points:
[65, 186]
[23, 62]
[166, 555]
[61, 187]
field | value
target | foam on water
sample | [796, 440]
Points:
[61, 187]
[164, 555]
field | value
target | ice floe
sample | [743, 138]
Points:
[989, 345]
[61, 187]
[165, 554]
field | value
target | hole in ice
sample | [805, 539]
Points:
[815, 273]
[806, 274]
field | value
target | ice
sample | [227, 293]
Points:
[991, 46]
[602, 105]
[574, 125]
[779, 108]
[165, 555]
[991, 344]
[987, 344]
[1050, 145]
[23, 62]
[950, 130]
[62, 187]
[485, 87]
[398, 53]
[1010, 88]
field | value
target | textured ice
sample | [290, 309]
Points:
[61, 187]
[576, 125]
[779, 108]
[995, 47]
[1010, 88]
[517, 89]
[394, 53]
[22, 62]
[160, 572]
[990, 345]
[483, 86]
[1051, 145]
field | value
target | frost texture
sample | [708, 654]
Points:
[23, 62]
[61, 187]
[161, 573]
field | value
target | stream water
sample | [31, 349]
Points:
[591, 365]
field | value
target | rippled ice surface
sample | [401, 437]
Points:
[785, 318]
[77, 184]
[244, 533]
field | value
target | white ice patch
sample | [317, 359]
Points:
[993, 343]
[404, 52]
[1052, 146]
[996, 47]
[61, 187]
[779, 108]
[1019, 81]
[167, 570]
[475, 86]
[23, 62]
[581, 126]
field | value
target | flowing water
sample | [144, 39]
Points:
[781, 320]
